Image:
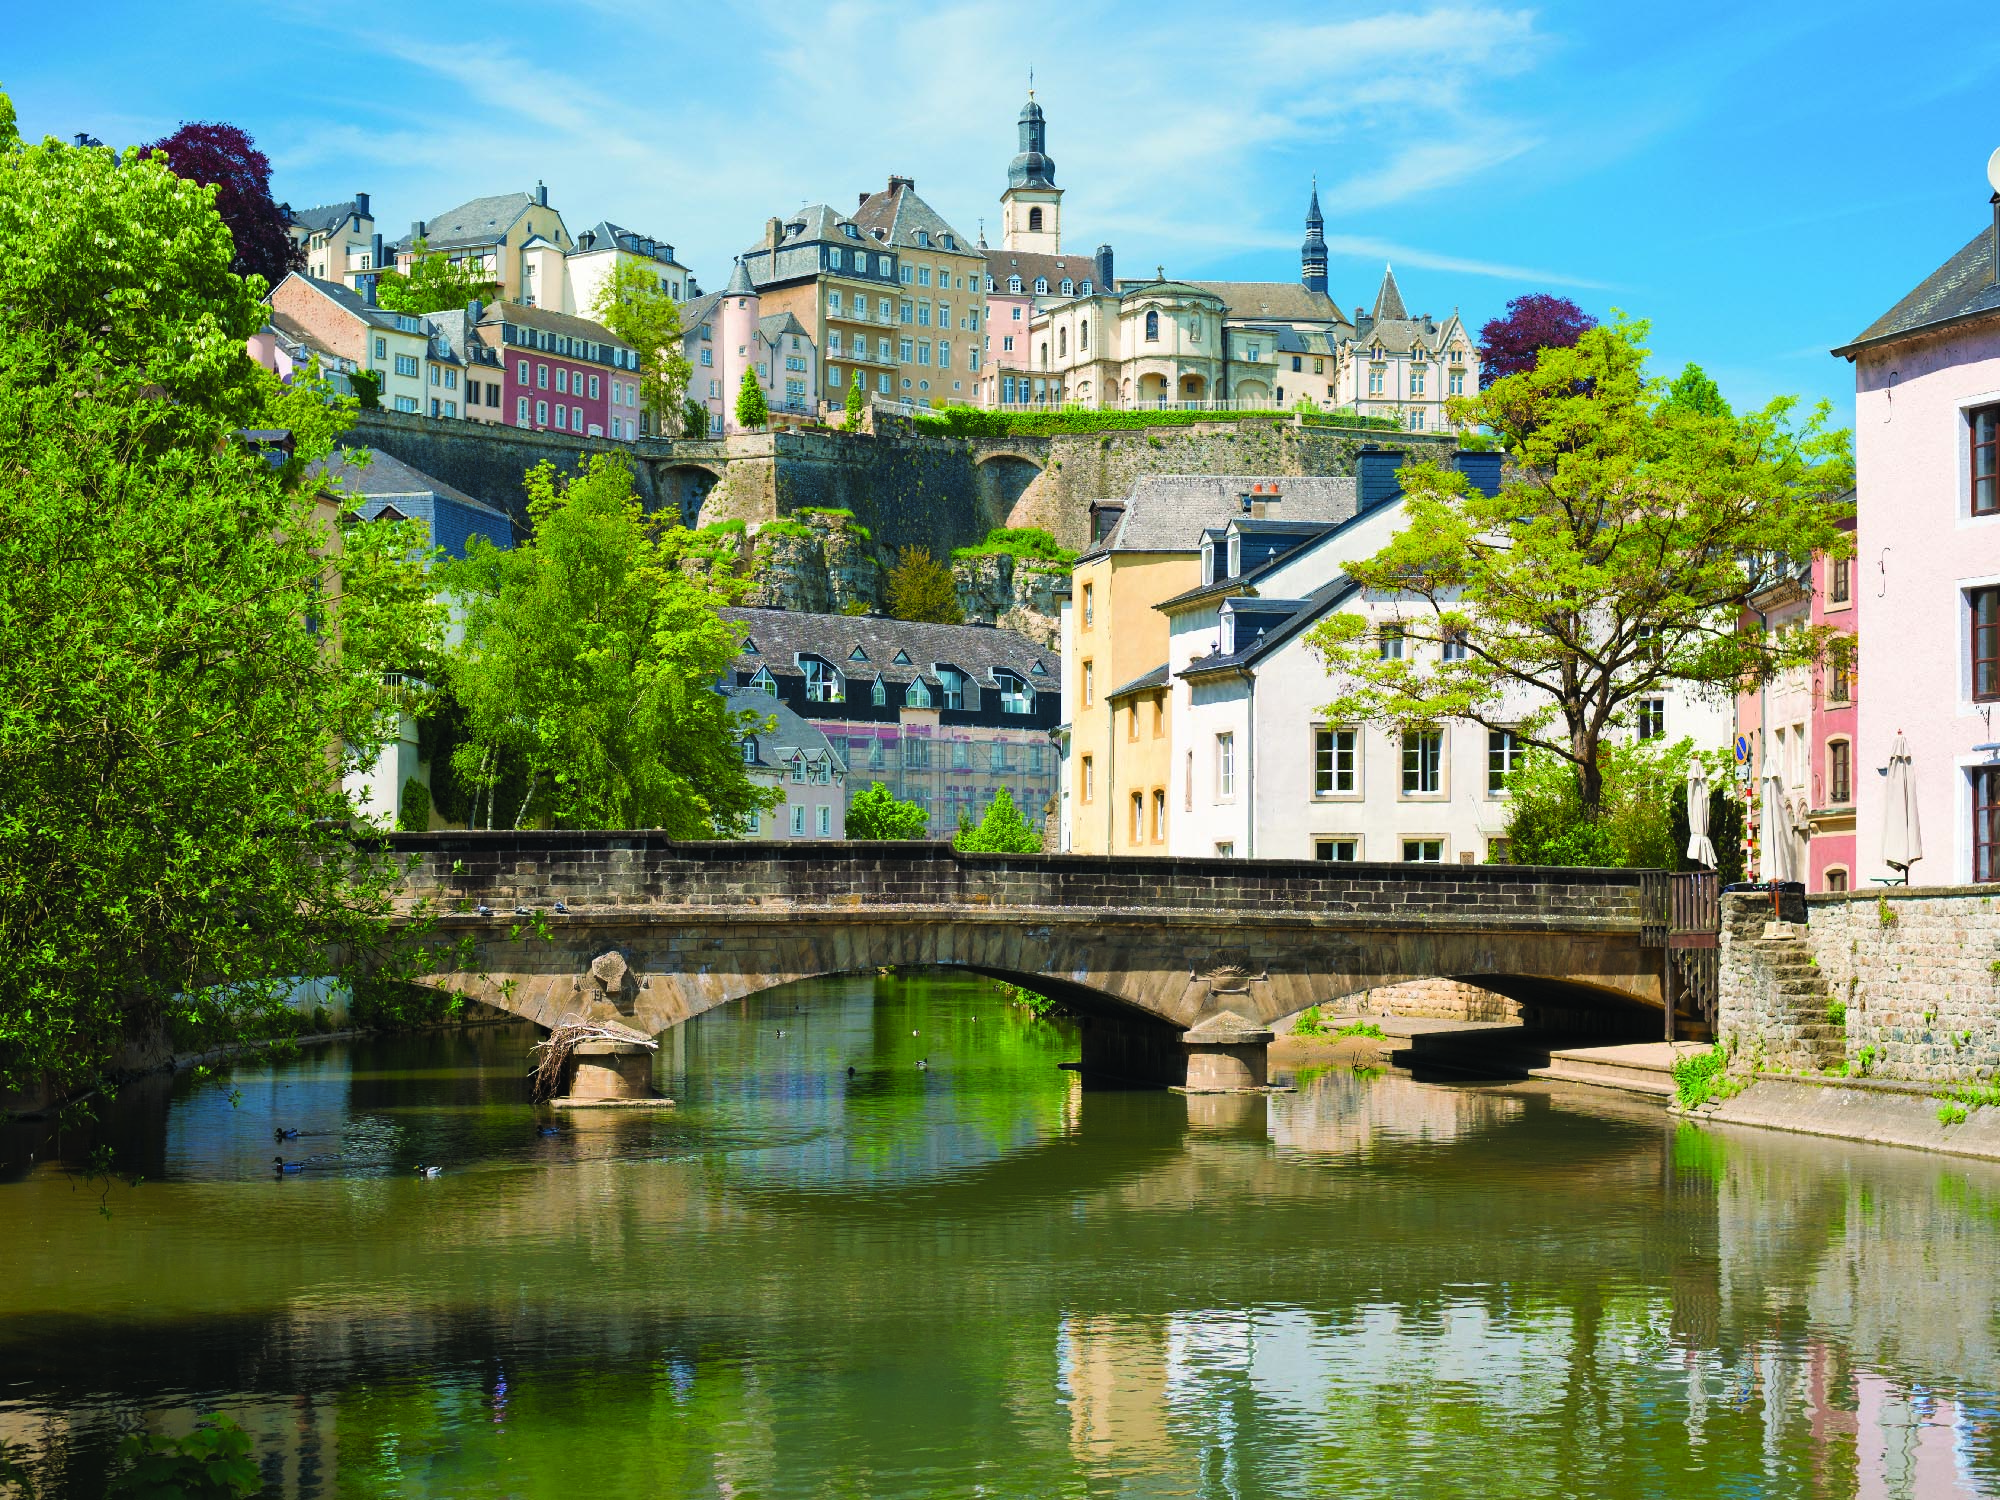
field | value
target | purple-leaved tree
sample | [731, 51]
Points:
[224, 156]
[1508, 345]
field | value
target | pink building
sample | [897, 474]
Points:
[562, 373]
[1927, 564]
[1804, 723]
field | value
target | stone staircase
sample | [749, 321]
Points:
[1796, 1031]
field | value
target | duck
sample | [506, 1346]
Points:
[850, 1070]
[923, 1062]
[424, 1171]
[280, 1166]
[282, 1134]
[545, 1130]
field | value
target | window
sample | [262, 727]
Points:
[1089, 780]
[823, 684]
[1159, 815]
[562, 417]
[1375, 374]
[1225, 766]
[1985, 425]
[521, 410]
[879, 694]
[1423, 851]
[1138, 817]
[708, 358]
[823, 817]
[799, 770]
[1034, 221]
[916, 754]
[749, 750]
[1839, 772]
[923, 315]
[923, 275]
[1160, 718]
[593, 387]
[1986, 824]
[1455, 383]
[1836, 880]
[1225, 849]
[1840, 585]
[437, 375]
[1652, 718]
[1089, 684]
[541, 377]
[1041, 286]
[798, 822]
[1089, 605]
[1840, 675]
[1335, 753]
[406, 403]
[381, 348]
[1014, 695]
[917, 694]
[1454, 643]
[1340, 851]
[1153, 328]
[1417, 373]
[1503, 753]
[562, 380]
[906, 350]
[1014, 286]
[541, 413]
[406, 364]
[1132, 721]
[1390, 644]
[961, 756]
[953, 682]
[1423, 761]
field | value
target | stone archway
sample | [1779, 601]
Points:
[684, 488]
[1000, 481]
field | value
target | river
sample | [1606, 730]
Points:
[977, 1278]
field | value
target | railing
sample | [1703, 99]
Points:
[1694, 926]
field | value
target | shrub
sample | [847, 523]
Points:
[1002, 831]
[876, 813]
[1836, 1013]
[1309, 1023]
[212, 1461]
[413, 812]
[1024, 542]
[922, 589]
[1703, 1076]
[970, 421]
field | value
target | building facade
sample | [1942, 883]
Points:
[843, 287]
[1927, 455]
[786, 753]
[943, 715]
[339, 241]
[558, 371]
[514, 240]
[1395, 365]
[728, 332]
[420, 375]
[605, 246]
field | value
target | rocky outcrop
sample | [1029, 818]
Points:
[825, 562]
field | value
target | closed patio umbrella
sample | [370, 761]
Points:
[1700, 849]
[1902, 839]
[1775, 839]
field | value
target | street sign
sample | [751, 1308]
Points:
[1742, 750]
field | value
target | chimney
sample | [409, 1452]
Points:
[416, 229]
[472, 311]
[542, 194]
[1375, 469]
[1104, 281]
[772, 230]
[368, 290]
[375, 252]
[1483, 469]
[361, 206]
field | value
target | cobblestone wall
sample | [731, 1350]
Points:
[1912, 974]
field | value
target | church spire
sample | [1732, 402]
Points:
[1312, 254]
[1389, 300]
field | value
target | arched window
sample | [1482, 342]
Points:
[1041, 286]
[1152, 326]
[1062, 342]
[1045, 354]
[1034, 221]
[1083, 335]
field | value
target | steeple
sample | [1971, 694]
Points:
[1312, 255]
[1031, 207]
[1389, 301]
[1032, 166]
[740, 284]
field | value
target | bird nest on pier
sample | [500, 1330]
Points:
[550, 1073]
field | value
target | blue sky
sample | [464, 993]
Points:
[1758, 181]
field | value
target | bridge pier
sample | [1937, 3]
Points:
[610, 1074]
[1227, 1054]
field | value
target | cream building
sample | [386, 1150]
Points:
[338, 240]
[1392, 364]
[1151, 343]
[603, 247]
[513, 239]
[421, 374]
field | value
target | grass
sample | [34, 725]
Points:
[835, 513]
[1312, 1023]
[1702, 1077]
[1960, 1100]
[783, 528]
[1027, 543]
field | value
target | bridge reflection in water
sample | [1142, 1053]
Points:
[979, 1275]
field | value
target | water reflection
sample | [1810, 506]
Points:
[975, 1277]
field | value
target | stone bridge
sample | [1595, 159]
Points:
[1176, 967]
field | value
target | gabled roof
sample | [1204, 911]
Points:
[550, 322]
[1957, 291]
[1278, 301]
[1389, 299]
[292, 330]
[371, 482]
[897, 649]
[901, 214]
[1300, 614]
[326, 218]
[605, 235]
[348, 300]
[772, 326]
[1157, 678]
[481, 221]
[1169, 512]
[787, 733]
[698, 312]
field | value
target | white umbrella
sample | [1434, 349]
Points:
[1902, 839]
[1700, 849]
[1776, 859]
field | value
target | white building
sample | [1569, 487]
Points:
[800, 760]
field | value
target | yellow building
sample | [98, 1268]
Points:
[941, 298]
[514, 239]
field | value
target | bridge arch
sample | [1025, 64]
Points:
[1000, 479]
[684, 487]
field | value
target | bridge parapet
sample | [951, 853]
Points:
[612, 872]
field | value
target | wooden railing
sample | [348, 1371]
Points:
[1694, 927]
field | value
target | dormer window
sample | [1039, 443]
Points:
[1084, 287]
[1038, 670]
[916, 695]
[1014, 695]
[1225, 642]
[1014, 285]
[749, 750]
[823, 681]
[1068, 287]
[949, 243]
[1235, 554]
[953, 682]
[902, 658]
[879, 693]
[1041, 286]
[857, 654]
[764, 682]
[923, 239]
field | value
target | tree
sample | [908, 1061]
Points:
[856, 404]
[367, 388]
[752, 410]
[1613, 565]
[1692, 391]
[921, 588]
[225, 158]
[434, 283]
[192, 649]
[632, 305]
[694, 420]
[876, 814]
[589, 666]
[1509, 345]
[1002, 831]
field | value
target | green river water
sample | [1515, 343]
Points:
[978, 1278]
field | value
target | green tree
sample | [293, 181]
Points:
[192, 648]
[589, 665]
[1613, 565]
[921, 588]
[694, 420]
[856, 404]
[876, 814]
[1634, 826]
[434, 283]
[367, 389]
[1002, 831]
[1693, 392]
[631, 303]
[752, 410]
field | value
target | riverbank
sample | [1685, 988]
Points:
[1881, 1112]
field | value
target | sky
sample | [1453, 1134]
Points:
[1758, 182]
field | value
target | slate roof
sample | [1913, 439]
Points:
[1389, 299]
[1169, 512]
[780, 634]
[325, 218]
[796, 257]
[697, 312]
[901, 213]
[1162, 287]
[550, 321]
[1299, 614]
[787, 733]
[1028, 264]
[1959, 289]
[772, 325]
[1157, 678]
[380, 481]
[605, 235]
[478, 222]
[1281, 301]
